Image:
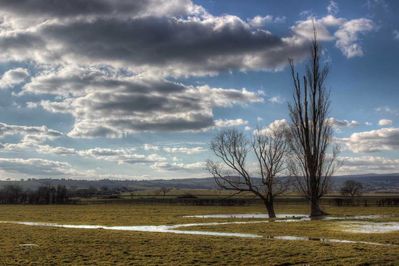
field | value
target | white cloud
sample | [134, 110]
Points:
[230, 122]
[343, 123]
[384, 139]
[29, 133]
[259, 21]
[303, 29]
[150, 147]
[276, 100]
[35, 167]
[385, 122]
[121, 155]
[395, 35]
[107, 104]
[13, 77]
[179, 166]
[54, 150]
[273, 127]
[332, 8]
[348, 36]
[18, 168]
[368, 164]
[185, 150]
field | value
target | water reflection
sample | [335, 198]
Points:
[326, 240]
[288, 217]
[248, 216]
[175, 230]
[150, 228]
[370, 227]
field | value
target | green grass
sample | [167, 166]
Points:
[58, 246]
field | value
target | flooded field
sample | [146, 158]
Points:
[366, 227]
[344, 223]
[120, 234]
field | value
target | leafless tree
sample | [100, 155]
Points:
[233, 148]
[165, 190]
[313, 158]
[351, 188]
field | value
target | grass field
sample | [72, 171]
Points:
[56, 246]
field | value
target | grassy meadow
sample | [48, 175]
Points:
[62, 246]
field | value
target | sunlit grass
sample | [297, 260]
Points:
[102, 247]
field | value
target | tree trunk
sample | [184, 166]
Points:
[315, 209]
[270, 208]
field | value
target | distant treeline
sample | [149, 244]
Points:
[48, 194]
[14, 194]
[371, 183]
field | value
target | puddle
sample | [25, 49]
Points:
[248, 216]
[288, 217]
[150, 228]
[216, 223]
[325, 240]
[174, 229]
[355, 217]
[370, 227]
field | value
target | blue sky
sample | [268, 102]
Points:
[136, 90]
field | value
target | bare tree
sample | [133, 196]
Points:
[232, 148]
[313, 161]
[351, 188]
[165, 190]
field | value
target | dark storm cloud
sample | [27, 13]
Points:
[71, 8]
[166, 45]
[161, 41]
[19, 45]
[169, 37]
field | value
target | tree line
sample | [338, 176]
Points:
[55, 194]
[14, 194]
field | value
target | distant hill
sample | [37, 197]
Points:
[191, 183]
[371, 182]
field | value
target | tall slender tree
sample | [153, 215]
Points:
[313, 157]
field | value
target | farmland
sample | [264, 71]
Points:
[39, 245]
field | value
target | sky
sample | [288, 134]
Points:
[137, 89]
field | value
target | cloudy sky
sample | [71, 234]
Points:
[136, 89]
